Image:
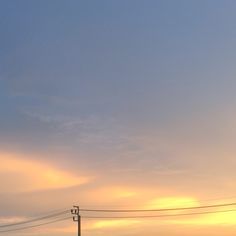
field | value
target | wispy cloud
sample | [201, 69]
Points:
[100, 131]
[38, 176]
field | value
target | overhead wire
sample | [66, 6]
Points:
[216, 200]
[58, 214]
[157, 216]
[118, 217]
[33, 226]
[159, 209]
[35, 219]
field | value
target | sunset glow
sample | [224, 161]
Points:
[117, 118]
[34, 175]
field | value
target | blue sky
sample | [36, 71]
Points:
[145, 89]
[139, 63]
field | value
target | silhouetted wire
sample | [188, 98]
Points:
[35, 219]
[121, 211]
[33, 226]
[51, 211]
[160, 209]
[118, 217]
[149, 205]
[157, 216]
[83, 206]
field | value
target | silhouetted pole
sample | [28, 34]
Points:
[77, 217]
[79, 225]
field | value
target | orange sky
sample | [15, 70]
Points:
[31, 187]
[118, 104]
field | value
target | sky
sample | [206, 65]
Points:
[118, 104]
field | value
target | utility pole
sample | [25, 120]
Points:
[77, 218]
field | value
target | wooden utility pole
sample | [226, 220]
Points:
[77, 218]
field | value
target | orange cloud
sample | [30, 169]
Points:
[226, 218]
[18, 173]
[173, 202]
[114, 223]
[220, 218]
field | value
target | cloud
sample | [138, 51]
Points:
[114, 223]
[173, 202]
[19, 174]
[101, 131]
[11, 219]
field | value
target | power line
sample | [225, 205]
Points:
[157, 216]
[46, 217]
[160, 209]
[115, 217]
[33, 226]
[222, 199]
[35, 219]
